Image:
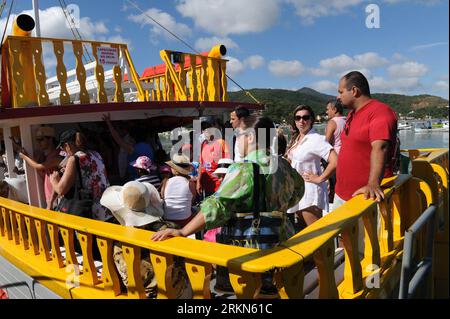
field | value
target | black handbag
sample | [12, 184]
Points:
[258, 229]
[77, 201]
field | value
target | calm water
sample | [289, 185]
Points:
[410, 139]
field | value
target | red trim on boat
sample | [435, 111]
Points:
[24, 112]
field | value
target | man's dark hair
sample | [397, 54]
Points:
[241, 111]
[337, 105]
[358, 80]
[261, 125]
[282, 143]
[205, 124]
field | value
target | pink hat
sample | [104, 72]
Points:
[165, 169]
[143, 162]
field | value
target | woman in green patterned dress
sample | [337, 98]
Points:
[281, 185]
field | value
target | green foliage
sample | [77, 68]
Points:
[281, 103]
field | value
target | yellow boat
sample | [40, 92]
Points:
[406, 235]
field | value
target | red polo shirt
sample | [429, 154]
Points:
[374, 121]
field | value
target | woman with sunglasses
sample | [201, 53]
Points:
[91, 168]
[305, 151]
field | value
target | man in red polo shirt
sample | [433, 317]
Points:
[368, 141]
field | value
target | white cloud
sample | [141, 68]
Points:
[282, 68]
[254, 62]
[53, 25]
[234, 66]
[165, 19]
[370, 60]
[309, 10]
[441, 86]
[399, 57]
[427, 46]
[224, 17]
[408, 69]
[325, 86]
[205, 44]
[395, 85]
[341, 64]
[119, 39]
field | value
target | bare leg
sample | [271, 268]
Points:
[309, 215]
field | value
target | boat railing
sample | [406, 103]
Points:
[432, 166]
[187, 76]
[29, 238]
[24, 80]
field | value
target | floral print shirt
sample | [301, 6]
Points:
[284, 187]
[93, 174]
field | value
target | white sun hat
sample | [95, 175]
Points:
[222, 166]
[133, 204]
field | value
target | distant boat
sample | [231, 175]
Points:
[404, 126]
[427, 127]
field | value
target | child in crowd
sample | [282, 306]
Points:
[220, 172]
[146, 171]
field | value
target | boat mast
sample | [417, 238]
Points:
[37, 28]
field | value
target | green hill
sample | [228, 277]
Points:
[281, 103]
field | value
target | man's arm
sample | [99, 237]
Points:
[196, 224]
[329, 131]
[378, 157]
[117, 138]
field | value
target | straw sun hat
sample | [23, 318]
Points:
[133, 204]
[181, 164]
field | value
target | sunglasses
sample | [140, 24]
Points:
[304, 117]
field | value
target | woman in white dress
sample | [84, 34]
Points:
[305, 151]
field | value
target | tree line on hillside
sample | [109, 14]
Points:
[281, 103]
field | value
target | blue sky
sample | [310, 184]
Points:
[285, 44]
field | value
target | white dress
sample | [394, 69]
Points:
[305, 157]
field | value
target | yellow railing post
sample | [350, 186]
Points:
[289, 282]
[199, 276]
[110, 277]
[61, 72]
[81, 72]
[56, 247]
[245, 285]
[324, 260]
[174, 79]
[39, 73]
[100, 76]
[163, 266]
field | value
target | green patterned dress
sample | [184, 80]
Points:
[284, 188]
